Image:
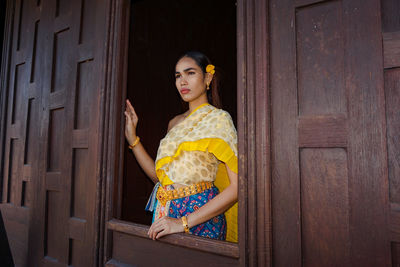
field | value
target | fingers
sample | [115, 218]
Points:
[164, 226]
[130, 113]
[153, 229]
[128, 116]
[158, 229]
[159, 225]
[128, 121]
[130, 108]
[161, 234]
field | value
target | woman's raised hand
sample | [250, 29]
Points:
[131, 120]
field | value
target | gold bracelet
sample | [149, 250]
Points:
[135, 143]
[185, 224]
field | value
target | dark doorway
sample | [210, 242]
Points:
[161, 31]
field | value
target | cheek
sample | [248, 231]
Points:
[199, 81]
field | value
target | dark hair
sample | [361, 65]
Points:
[202, 61]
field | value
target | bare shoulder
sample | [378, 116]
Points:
[177, 119]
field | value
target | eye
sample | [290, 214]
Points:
[177, 76]
[191, 72]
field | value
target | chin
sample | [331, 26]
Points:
[186, 99]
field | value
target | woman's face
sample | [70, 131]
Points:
[190, 80]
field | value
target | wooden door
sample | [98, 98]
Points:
[53, 93]
[19, 114]
[329, 168]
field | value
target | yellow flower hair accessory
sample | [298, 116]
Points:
[210, 68]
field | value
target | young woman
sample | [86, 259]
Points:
[196, 166]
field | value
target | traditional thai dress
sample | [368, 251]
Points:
[194, 152]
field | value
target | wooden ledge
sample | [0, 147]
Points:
[218, 247]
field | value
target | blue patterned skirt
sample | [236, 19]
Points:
[214, 228]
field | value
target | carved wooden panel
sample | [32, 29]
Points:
[320, 85]
[329, 193]
[324, 202]
[20, 150]
[51, 177]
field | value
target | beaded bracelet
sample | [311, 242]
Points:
[135, 143]
[185, 224]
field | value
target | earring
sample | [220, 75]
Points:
[208, 86]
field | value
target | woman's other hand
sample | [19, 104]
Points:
[131, 120]
[165, 226]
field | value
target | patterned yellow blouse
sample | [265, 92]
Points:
[192, 167]
[197, 149]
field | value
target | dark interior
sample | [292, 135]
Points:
[160, 32]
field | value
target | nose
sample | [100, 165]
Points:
[183, 81]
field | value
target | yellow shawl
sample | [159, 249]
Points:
[206, 129]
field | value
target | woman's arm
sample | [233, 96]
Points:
[219, 204]
[144, 159]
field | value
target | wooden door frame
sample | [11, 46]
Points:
[255, 240]
[254, 246]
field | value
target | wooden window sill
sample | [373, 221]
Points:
[189, 241]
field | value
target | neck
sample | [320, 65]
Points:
[195, 103]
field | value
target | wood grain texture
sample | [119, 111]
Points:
[254, 134]
[325, 207]
[53, 99]
[110, 199]
[367, 135]
[197, 243]
[394, 222]
[391, 49]
[134, 250]
[319, 59]
[244, 256]
[59, 102]
[327, 94]
[286, 213]
[262, 120]
[18, 142]
[392, 97]
[323, 131]
[390, 10]
[17, 231]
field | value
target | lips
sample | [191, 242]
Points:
[185, 91]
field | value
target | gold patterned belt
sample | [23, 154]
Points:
[166, 195]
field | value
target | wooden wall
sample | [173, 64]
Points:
[318, 121]
[329, 169]
[53, 101]
[20, 82]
